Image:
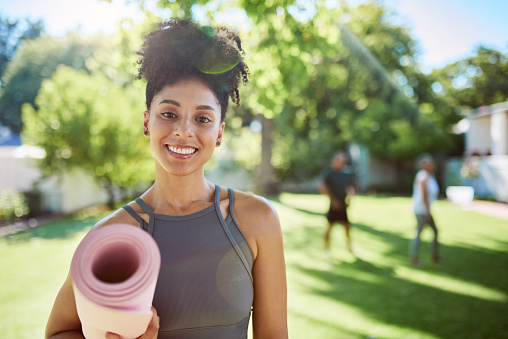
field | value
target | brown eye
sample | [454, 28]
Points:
[203, 119]
[169, 115]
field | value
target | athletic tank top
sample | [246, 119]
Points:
[432, 191]
[205, 288]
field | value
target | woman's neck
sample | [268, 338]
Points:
[173, 194]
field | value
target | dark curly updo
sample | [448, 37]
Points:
[180, 49]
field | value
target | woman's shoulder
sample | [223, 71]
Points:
[253, 202]
[120, 216]
[422, 175]
[256, 213]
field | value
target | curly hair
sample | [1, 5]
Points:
[180, 48]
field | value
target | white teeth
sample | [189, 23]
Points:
[181, 150]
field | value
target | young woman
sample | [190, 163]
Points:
[221, 250]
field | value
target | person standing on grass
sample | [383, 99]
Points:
[221, 249]
[338, 185]
[425, 192]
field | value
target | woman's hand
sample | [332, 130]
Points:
[152, 330]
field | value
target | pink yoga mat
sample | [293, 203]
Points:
[114, 271]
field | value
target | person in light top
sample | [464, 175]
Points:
[425, 192]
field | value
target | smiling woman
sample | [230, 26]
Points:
[221, 250]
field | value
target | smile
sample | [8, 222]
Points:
[182, 150]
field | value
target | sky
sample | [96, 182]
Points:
[450, 30]
[446, 30]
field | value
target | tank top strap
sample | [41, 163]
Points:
[226, 229]
[134, 215]
[232, 205]
[217, 196]
[147, 209]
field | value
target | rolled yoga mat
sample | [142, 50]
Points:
[114, 271]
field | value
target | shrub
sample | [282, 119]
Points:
[12, 205]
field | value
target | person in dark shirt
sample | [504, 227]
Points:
[338, 184]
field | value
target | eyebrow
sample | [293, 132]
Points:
[177, 104]
[210, 108]
[169, 101]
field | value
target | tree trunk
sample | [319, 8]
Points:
[264, 181]
[108, 186]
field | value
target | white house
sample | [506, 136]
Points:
[65, 194]
[488, 130]
[486, 136]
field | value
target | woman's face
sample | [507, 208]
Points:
[184, 124]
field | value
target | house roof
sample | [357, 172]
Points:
[23, 151]
[486, 110]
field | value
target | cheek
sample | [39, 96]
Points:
[159, 127]
[155, 129]
[210, 136]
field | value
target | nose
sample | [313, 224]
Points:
[183, 128]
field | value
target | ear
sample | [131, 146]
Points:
[221, 130]
[146, 121]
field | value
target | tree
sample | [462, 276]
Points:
[328, 84]
[12, 35]
[88, 121]
[475, 81]
[88, 111]
[35, 61]
[471, 83]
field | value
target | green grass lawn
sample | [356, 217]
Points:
[375, 294]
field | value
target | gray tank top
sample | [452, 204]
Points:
[205, 288]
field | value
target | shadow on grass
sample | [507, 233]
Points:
[297, 207]
[312, 210]
[394, 300]
[410, 305]
[323, 325]
[485, 267]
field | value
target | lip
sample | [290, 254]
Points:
[181, 155]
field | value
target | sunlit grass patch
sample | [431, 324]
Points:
[377, 293]
[32, 273]
[450, 284]
[373, 294]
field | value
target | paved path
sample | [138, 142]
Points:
[495, 209]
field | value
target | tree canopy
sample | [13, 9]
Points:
[35, 61]
[327, 74]
[475, 81]
[88, 121]
[12, 34]
[324, 74]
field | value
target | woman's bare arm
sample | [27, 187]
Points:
[425, 195]
[63, 320]
[261, 223]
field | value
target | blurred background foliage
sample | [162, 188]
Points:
[12, 205]
[324, 74]
[89, 121]
[13, 34]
